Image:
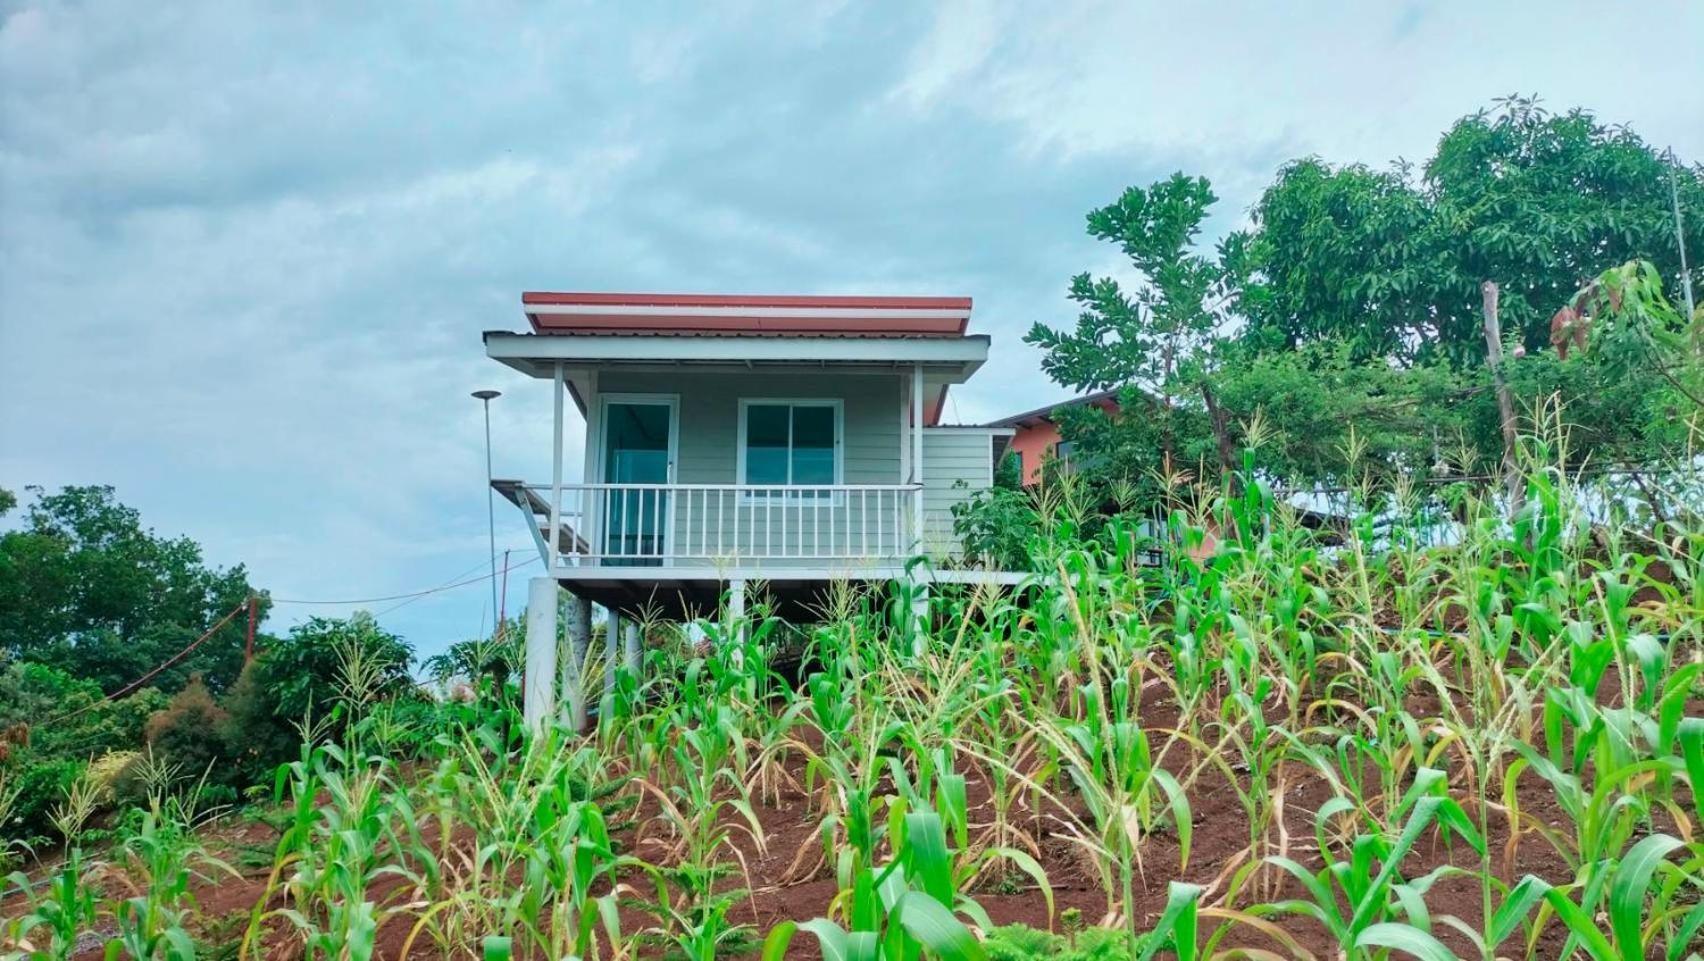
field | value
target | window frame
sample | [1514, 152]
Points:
[835, 404]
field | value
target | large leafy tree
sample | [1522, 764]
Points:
[1391, 261]
[85, 588]
[1346, 323]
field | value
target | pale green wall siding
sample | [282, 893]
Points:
[707, 453]
[709, 418]
[950, 457]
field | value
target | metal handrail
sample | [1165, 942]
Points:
[636, 524]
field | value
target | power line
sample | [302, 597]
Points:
[168, 662]
[411, 595]
[506, 569]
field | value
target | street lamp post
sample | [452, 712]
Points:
[485, 397]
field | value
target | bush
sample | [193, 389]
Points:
[83, 724]
[40, 784]
[997, 526]
[186, 734]
[1019, 942]
[327, 662]
[256, 737]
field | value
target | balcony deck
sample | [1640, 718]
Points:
[672, 549]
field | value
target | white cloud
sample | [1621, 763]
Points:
[247, 249]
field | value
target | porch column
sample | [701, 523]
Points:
[551, 562]
[917, 458]
[574, 662]
[539, 694]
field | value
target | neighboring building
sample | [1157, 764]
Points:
[729, 439]
[1036, 434]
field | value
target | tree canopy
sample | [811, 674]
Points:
[85, 588]
[1347, 319]
[1391, 261]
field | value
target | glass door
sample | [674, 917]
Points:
[638, 449]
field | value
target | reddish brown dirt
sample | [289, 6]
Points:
[1220, 836]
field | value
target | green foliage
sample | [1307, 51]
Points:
[85, 588]
[323, 663]
[997, 525]
[1352, 345]
[185, 735]
[1391, 263]
[40, 783]
[32, 695]
[254, 736]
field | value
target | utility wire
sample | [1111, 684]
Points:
[411, 595]
[168, 662]
[506, 569]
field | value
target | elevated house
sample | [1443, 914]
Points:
[729, 440]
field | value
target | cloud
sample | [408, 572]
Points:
[247, 249]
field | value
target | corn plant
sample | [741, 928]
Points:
[896, 912]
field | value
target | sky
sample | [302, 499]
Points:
[247, 249]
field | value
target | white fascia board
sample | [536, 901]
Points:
[523, 351]
[827, 313]
[974, 429]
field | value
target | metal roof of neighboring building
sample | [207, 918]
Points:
[743, 315]
[1032, 417]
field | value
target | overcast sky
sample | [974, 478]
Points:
[247, 250]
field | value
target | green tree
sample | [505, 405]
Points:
[85, 588]
[1347, 322]
[1391, 261]
[324, 662]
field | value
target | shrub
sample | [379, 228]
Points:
[186, 734]
[1020, 942]
[255, 736]
[325, 662]
[40, 783]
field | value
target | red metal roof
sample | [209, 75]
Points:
[731, 315]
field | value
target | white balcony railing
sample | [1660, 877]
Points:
[728, 524]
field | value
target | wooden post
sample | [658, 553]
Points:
[1505, 403]
[248, 648]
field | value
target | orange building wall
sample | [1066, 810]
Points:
[1032, 444]
[1035, 441]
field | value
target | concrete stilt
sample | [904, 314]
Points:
[574, 663]
[612, 637]
[630, 646]
[539, 695]
[736, 613]
[917, 591]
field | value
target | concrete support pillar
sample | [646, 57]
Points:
[539, 694]
[630, 647]
[737, 609]
[917, 625]
[574, 663]
[612, 638]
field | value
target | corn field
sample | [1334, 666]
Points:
[1360, 747]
